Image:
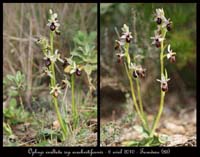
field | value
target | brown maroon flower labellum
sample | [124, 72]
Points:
[78, 72]
[135, 75]
[47, 62]
[164, 87]
[159, 21]
[117, 45]
[55, 94]
[119, 60]
[65, 64]
[158, 44]
[172, 59]
[63, 84]
[128, 38]
[52, 26]
[142, 73]
[169, 26]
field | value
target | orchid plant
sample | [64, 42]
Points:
[135, 71]
[83, 58]
[50, 58]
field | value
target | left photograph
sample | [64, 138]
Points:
[49, 74]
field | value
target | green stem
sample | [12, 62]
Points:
[159, 114]
[53, 84]
[139, 96]
[140, 103]
[134, 98]
[74, 110]
[141, 115]
[162, 95]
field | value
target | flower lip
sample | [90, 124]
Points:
[78, 72]
[117, 44]
[120, 56]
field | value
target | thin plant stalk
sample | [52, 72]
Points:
[141, 115]
[162, 95]
[74, 109]
[134, 97]
[139, 96]
[141, 104]
[53, 83]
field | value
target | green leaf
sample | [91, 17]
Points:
[10, 77]
[89, 68]
[13, 102]
[13, 93]
[18, 77]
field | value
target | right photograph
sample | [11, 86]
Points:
[148, 74]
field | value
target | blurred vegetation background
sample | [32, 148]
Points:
[139, 17]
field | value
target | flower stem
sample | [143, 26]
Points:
[134, 98]
[162, 95]
[53, 83]
[139, 96]
[159, 113]
[74, 109]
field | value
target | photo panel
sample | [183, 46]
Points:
[49, 74]
[148, 74]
